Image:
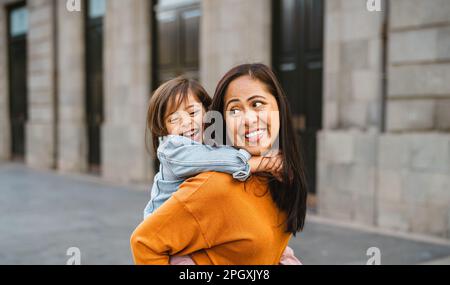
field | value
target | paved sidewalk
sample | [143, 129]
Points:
[322, 243]
[42, 214]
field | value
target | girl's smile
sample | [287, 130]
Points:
[186, 119]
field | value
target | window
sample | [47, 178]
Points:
[97, 8]
[18, 22]
[175, 3]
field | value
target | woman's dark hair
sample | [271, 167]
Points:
[165, 95]
[289, 195]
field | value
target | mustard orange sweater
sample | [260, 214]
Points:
[217, 221]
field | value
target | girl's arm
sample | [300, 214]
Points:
[187, 158]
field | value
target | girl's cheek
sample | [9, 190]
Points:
[171, 130]
[197, 121]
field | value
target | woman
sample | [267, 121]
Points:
[218, 220]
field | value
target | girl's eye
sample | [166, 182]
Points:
[173, 120]
[194, 113]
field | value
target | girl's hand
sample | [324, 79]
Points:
[271, 163]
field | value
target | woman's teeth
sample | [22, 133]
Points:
[254, 134]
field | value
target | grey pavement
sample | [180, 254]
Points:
[42, 214]
[328, 244]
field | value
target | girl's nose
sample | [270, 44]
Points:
[186, 120]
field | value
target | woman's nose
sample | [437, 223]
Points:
[251, 118]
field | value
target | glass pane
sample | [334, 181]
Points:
[97, 8]
[19, 22]
[175, 3]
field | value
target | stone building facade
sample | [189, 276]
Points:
[383, 151]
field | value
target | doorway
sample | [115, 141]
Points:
[17, 57]
[95, 10]
[298, 60]
[176, 31]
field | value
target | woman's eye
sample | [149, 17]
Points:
[234, 112]
[257, 104]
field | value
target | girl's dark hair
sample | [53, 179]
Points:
[289, 195]
[165, 95]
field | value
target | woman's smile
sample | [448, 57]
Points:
[255, 136]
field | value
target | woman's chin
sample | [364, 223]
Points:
[257, 150]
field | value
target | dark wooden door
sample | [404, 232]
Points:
[18, 108]
[177, 36]
[176, 32]
[297, 60]
[94, 86]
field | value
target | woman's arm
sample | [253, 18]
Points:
[187, 158]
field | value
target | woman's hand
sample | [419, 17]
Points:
[271, 162]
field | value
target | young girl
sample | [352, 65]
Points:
[175, 120]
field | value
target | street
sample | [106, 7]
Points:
[43, 214]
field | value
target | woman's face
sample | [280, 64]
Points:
[251, 115]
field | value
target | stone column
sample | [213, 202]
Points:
[414, 154]
[4, 98]
[127, 91]
[72, 133]
[233, 32]
[347, 146]
[353, 65]
[40, 141]
[419, 66]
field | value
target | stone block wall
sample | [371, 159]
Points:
[414, 183]
[4, 93]
[414, 155]
[127, 91]
[347, 175]
[400, 179]
[394, 181]
[72, 129]
[233, 32]
[419, 66]
[40, 130]
[353, 64]
[56, 135]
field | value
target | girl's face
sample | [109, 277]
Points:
[252, 115]
[187, 119]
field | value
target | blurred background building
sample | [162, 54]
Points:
[369, 90]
